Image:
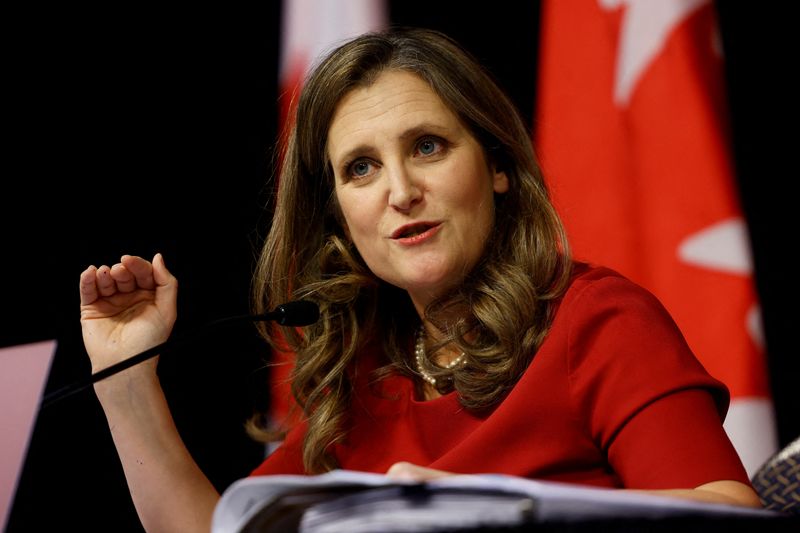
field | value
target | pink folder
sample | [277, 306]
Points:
[23, 374]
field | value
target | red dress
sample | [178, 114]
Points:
[614, 397]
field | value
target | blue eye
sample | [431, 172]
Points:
[427, 147]
[360, 168]
[430, 146]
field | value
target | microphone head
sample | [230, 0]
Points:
[297, 313]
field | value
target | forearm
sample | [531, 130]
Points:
[727, 492]
[167, 487]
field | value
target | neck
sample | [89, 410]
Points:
[438, 373]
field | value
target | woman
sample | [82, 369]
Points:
[456, 335]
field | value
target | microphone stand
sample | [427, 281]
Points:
[297, 313]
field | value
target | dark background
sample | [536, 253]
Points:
[143, 131]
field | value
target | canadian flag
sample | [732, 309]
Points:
[309, 29]
[632, 133]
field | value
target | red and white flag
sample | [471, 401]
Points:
[633, 135]
[309, 29]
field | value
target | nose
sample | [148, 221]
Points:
[405, 189]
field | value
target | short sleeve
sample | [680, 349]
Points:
[642, 395]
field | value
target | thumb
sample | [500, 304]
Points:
[166, 289]
[161, 275]
[166, 283]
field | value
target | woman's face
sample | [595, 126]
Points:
[413, 185]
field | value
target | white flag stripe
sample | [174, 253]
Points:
[313, 27]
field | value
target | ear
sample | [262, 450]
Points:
[500, 182]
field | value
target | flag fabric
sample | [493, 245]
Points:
[309, 29]
[631, 129]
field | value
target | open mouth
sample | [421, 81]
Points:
[413, 230]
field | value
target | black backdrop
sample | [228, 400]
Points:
[141, 131]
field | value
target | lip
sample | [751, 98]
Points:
[426, 235]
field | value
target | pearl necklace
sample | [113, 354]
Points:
[419, 352]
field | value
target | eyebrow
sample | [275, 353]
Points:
[411, 133]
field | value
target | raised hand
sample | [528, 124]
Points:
[126, 309]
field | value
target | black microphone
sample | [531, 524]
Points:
[296, 313]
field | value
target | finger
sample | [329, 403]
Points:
[105, 283]
[405, 471]
[141, 269]
[125, 281]
[88, 285]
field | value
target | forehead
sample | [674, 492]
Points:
[395, 101]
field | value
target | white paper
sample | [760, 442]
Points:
[552, 502]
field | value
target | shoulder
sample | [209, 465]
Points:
[613, 326]
[603, 305]
[591, 277]
[619, 338]
[594, 290]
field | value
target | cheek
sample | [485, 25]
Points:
[357, 217]
[477, 211]
[475, 196]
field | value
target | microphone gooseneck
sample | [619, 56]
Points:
[295, 313]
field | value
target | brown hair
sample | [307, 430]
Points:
[508, 297]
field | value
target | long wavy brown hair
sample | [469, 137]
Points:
[505, 305]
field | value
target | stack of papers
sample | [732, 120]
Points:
[359, 502]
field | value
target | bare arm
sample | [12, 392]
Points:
[725, 491]
[728, 492]
[126, 309]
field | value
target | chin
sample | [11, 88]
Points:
[430, 286]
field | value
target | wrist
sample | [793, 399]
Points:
[128, 384]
